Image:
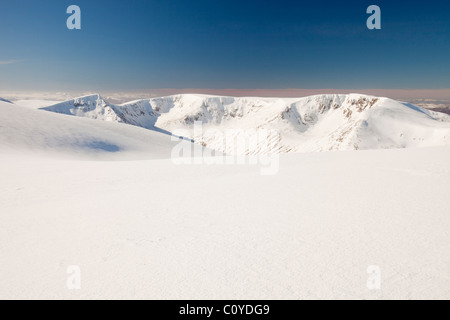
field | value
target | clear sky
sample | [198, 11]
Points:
[244, 44]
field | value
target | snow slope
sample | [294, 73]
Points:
[36, 103]
[152, 230]
[4, 100]
[317, 123]
[24, 129]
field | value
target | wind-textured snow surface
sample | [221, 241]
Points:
[316, 123]
[152, 230]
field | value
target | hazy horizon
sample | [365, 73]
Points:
[434, 96]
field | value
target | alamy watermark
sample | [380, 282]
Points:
[74, 21]
[374, 21]
[74, 278]
[374, 280]
[229, 147]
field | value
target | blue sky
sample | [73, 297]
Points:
[145, 44]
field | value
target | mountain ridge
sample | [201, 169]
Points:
[316, 123]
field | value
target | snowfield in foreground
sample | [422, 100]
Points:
[139, 226]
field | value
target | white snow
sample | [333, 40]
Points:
[36, 104]
[143, 227]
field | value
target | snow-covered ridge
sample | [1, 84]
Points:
[29, 130]
[316, 123]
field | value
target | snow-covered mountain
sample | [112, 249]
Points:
[316, 123]
[26, 129]
[73, 194]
